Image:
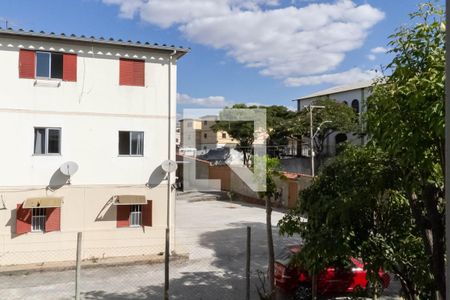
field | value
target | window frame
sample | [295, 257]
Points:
[135, 210]
[130, 144]
[46, 141]
[50, 53]
[38, 219]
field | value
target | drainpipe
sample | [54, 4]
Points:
[169, 186]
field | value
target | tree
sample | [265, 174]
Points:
[342, 117]
[271, 173]
[279, 124]
[385, 202]
[242, 131]
[406, 119]
[372, 221]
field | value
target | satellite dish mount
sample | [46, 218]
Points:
[69, 169]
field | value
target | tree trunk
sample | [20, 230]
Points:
[271, 258]
[244, 153]
[437, 241]
[432, 229]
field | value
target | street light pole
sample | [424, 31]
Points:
[311, 136]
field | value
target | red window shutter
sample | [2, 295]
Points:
[147, 213]
[126, 72]
[139, 72]
[23, 219]
[53, 219]
[27, 64]
[70, 67]
[132, 72]
[123, 215]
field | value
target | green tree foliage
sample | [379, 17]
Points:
[279, 124]
[242, 131]
[406, 119]
[384, 202]
[354, 209]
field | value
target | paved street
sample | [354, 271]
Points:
[214, 234]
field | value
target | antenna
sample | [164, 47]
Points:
[169, 166]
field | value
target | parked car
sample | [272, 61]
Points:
[334, 281]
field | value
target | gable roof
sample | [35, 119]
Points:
[338, 89]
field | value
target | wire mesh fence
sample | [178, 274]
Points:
[211, 265]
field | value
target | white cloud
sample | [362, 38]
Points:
[342, 78]
[379, 50]
[211, 101]
[371, 56]
[282, 42]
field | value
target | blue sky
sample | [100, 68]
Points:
[252, 51]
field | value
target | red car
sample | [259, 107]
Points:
[334, 281]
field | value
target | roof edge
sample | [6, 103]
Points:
[83, 39]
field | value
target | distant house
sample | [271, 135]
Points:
[355, 96]
[197, 133]
[102, 105]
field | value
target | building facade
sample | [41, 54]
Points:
[102, 105]
[355, 96]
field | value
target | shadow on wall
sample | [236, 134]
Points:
[57, 181]
[12, 224]
[107, 213]
[157, 176]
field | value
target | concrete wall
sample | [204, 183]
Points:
[90, 112]
[88, 210]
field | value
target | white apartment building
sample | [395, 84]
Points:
[354, 95]
[104, 105]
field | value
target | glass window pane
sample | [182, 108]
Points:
[39, 141]
[124, 143]
[137, 143]
[53, 141]
[43, 64]
[57, 65]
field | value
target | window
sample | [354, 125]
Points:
[355, 106]
[47, 141]
[205, 135]
[131, 143]
[224, 135]
[49, 65]
[38, 219]
[132, 72]
[189, 124]
[135, 215]
[205, 123]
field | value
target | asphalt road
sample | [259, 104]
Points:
[214, 235]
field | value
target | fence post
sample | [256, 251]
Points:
[78, 268]
[247, 267]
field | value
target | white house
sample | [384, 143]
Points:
[354, 95]
[104, 105]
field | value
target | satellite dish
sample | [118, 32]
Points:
[69, 168]
[169, 166]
